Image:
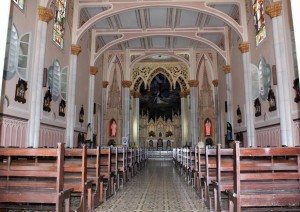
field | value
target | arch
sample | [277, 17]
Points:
[160, 70]
[111, 64]
[211, 71]
[142, 57]
[116, 8]
[134, 35]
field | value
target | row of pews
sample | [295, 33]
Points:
[238, 179]
[43, 178]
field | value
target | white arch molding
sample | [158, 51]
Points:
[198, 6]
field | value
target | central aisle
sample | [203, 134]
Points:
[158, 188]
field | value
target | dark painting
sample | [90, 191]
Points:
[161, 99]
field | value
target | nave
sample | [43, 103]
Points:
[158, 187]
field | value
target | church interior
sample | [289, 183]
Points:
[138, 101]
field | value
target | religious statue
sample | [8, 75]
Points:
[208, 128]
[113, 128]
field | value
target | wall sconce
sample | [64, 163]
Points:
[47, 101]
[62, 106]
[297, 90]
[81, 114]
[239, 115]
[257, 106]
[20, 95]
[272, 100]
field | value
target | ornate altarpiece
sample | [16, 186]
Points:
[206, 109]
[113, 112]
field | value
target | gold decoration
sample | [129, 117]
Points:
[75, 49]
[126, 83]
[193, 83]
[244, 47]
[183, 94]
[274, 9]
[137, 94]
[93, 70]
[45, 14]
[215, 83]
[187, 91]
[105, 84]
[226, 69]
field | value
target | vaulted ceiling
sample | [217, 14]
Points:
[158, 25]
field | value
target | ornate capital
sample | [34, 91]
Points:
[45, 14]
[193, 83]
[136, 94]
[274, 9]
[244, 47]
[183, 94]
[188, 92]
[215, 83]
[93, 70]
[105, 84]
[75, 49]
[126, 83]
[226, 69]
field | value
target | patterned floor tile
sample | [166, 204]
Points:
[157, 188]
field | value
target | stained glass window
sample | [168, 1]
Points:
[20, 3]
[59, 22]
[259, 20]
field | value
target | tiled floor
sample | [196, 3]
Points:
[157, 188]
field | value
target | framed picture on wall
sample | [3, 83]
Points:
[45, 77]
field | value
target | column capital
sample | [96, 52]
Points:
[75, 49]
[135, 94]
[244, 47]
[126, 83]
[193, 83]
[105, 84]
[274, 9]
[183, 94]
[215, 83]
[45, 14]
[93, 70]
[188, 92]
[227, 69]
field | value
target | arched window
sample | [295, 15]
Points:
[64, 83]
[23, 58]
[17, 54]
[59, 22]
[20, 3]
[54, 78]
[259, 20]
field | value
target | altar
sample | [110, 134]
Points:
[155, 142]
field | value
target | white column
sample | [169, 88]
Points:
[126, 103]
[71, 116]
[4, 17]
[194, 128]
[103, 110]
[226, 70]
[217, 110]
[45, 15]
[93, 72]
[244, 48]
[136, 117]
[284, 99]
[295, 4]
[184, 122]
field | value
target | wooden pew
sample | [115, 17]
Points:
[265, 184]
[130, 162]
[75, 176]
[224, 178]
[201, 172]
[106, 171]
[114, 169]
[210, 174]
[26, 184]
[93, 173]
[122, 165]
